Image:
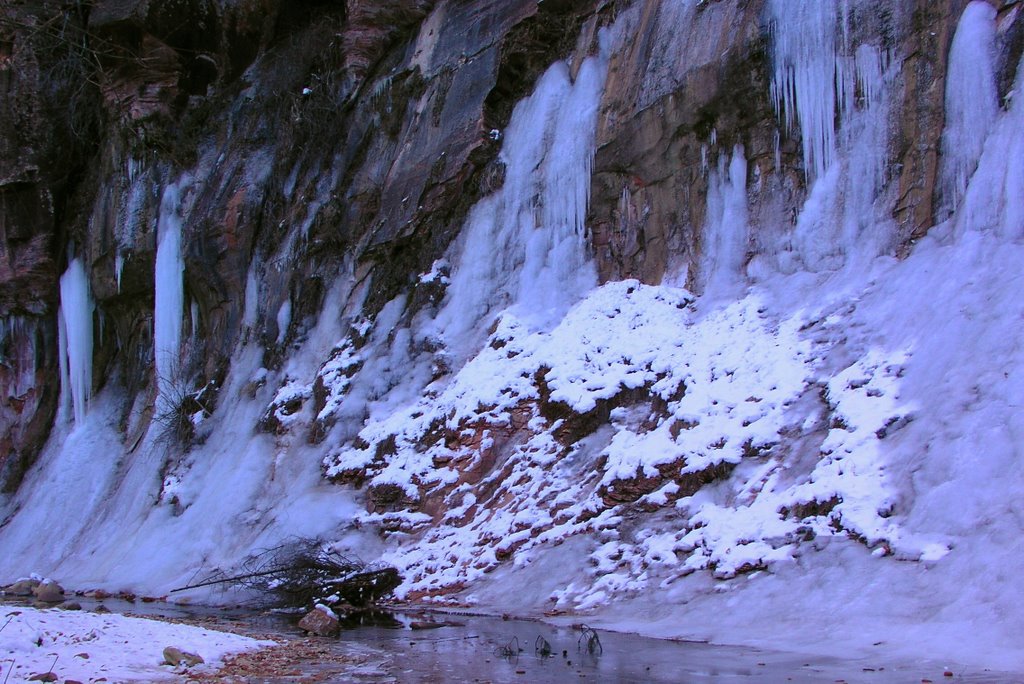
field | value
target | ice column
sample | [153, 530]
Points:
[75, 339]
[971, 99]
[170, 295]
[725, 227]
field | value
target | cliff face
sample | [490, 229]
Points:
[355, 136]
[317, 138]
[457, 282]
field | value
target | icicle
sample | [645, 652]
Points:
[252, 298]
[777, 141]
[118, 268]
[971, 98]
[869, 65]
[809, 71]
[284, 319]
[556, 250]
[194, 311]
[75, 323]
[62, 360]
[170, 295]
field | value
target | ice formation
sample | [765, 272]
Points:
[834, 90]
[168, 308]
[76, 311]
[971, 100]
[525, 244]
[725, 231]
[809, 71]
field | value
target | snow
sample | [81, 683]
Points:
[76, 312]
[88, 647]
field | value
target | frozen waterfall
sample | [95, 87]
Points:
[971, 100]
[525, 244]
[808, 72]
[75, 328]
[170, 295]
[724, 241]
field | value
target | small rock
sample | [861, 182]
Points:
[43, 677]
[70, 605]
[83, 655]
[416, 624]
[49, 592]
[101, 609]
[21, 588]
[72, 681]
[320, 623]
[175, 656]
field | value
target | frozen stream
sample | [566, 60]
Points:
[474, 648]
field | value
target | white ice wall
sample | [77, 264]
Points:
[76, 310]
[168, 307]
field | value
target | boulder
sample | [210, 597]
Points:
[22, 588]
[175, 656]
[49, 592]
[321, 623]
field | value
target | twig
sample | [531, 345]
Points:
[593, 641]
[509, 650]
[225, 580]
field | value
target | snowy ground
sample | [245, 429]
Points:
[89, 647]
